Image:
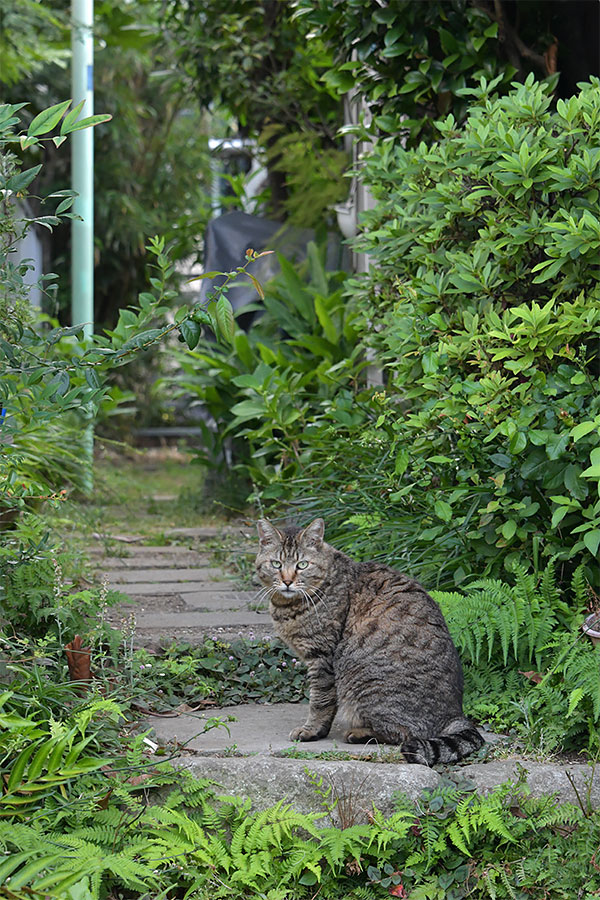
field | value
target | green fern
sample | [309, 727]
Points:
[366, 893]
[507, 621]
[336, 845]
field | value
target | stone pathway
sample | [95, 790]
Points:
[177, 593]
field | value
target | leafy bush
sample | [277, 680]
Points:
[411, 61]
[272, 389]
[482, 304]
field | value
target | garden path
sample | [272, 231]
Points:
[178, 593]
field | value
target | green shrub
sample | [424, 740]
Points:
[483, 307]
[270, 392]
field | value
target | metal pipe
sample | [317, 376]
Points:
[82, 148]
[82, 180]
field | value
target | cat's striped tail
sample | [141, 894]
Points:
[457, 740]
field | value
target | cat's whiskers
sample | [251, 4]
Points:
[319, 594]
[310, 601]
[263, 594]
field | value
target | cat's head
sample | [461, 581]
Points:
[293, 561]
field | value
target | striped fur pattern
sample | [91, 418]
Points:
[376, 646]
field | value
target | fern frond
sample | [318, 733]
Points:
[579, 588]
[336, 845]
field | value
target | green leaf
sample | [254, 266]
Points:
[248, 408]
[578, 431]
[90, 122]
[70, 117]
[243, 349]
[591, 539]
[325, 320]
[317, 270]
[518, 442]
[22, 180]
[25, 875]
[18, 767]
[508, 529]
[573, 483]
[559, 514]
[37, 764]
[64, 205]
[443, 510]
[191, 332]
[551, 268]
[47, 119]
[402, 461]
[14, 861]
[225, 319]
[594, 470]
[257, 285]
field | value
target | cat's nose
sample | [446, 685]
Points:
[287, 580]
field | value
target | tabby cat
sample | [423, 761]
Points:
[376, 645]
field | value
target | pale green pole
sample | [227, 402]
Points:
[82, 178]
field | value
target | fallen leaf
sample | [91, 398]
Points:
[533, 676]
[78, 660]
[103, 801]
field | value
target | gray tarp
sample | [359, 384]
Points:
[228, 237]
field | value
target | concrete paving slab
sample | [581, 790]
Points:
[164, 575]
[159, 550]
[259, 728]
[218, 600]
[111, 563]
[207, 532]
[208, 587]
[207, 620]
[189, 560]
[157, 603]
[150, 587]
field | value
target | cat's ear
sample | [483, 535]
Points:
[267, 533]
[313, 533]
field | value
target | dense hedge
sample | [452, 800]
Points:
[483, 306]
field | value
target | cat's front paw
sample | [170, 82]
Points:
[304, 733]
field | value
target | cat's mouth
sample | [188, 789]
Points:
[286, 591]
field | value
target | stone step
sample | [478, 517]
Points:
[249, 756]
[152, 587]
[215, 600]
[259, 728]
[211, 532]
[187, 559]
[352, 789]
[195, 620]
[165, 575]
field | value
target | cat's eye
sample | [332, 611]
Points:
[302, 564]
[276, 563]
